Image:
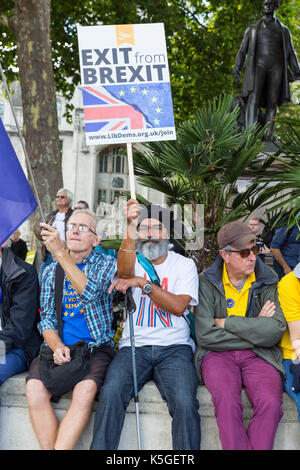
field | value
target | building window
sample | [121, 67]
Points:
[112, 176]
[102, 195]
[118, 164]
[103, 163]
[115, 195]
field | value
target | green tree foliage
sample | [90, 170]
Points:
[202, 40]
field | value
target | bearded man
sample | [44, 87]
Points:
[164, 347]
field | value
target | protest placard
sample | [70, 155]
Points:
[125, 82]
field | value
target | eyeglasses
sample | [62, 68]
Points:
[81, 228]
[60, 197]
[245, 252]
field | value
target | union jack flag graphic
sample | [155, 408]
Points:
[149, 314]
[121, 107]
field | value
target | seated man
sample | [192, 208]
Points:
[164, 348]
[19, 302]
[86, 315]
[238, 324]
[289, 298]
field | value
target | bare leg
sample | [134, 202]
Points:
[77, 416]
[43, 418]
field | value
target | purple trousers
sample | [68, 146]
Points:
[224, 374]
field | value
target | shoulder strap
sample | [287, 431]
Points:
[59, 282]
[149, 268]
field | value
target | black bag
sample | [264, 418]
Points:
[59, 379]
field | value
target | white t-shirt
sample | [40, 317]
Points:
[59, 224]
[152, 325]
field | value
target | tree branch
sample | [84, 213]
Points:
[8, 20]
[188, 11]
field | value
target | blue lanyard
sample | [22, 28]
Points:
[149, 268]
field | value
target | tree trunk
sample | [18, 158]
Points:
[31, 26]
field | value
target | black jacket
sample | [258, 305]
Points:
[20, 304]
[19, 248]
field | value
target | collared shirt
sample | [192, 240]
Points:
[97, 304]
[289, 298]
[236, 300]
[288, 242]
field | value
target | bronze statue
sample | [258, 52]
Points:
[271, 64]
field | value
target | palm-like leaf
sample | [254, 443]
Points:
[202, 166]
[214, 126]
[277, 181]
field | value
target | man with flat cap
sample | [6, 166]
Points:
[238, 323]
[164, 283]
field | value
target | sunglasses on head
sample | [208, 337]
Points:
[245, 252]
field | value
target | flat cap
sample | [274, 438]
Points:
[236, 234]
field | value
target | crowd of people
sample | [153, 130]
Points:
[57, 326]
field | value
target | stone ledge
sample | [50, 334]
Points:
[17, 434]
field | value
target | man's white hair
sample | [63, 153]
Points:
[97, 223]
[226, 248]
[69, 194]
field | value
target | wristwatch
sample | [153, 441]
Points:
[147, 289]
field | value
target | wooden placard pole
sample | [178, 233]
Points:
[131, 171]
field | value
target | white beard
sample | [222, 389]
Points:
[152, 249]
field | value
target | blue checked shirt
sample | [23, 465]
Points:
[97, 303]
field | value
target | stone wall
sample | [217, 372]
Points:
[17, 434]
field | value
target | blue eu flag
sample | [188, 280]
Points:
[17, 201]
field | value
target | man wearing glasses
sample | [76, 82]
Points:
[58, 219]
[238, 324]
[87, 314]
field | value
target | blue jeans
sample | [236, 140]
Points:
[173, 371]
[14, 362]
[287, 385]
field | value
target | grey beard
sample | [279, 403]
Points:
[152, 249]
